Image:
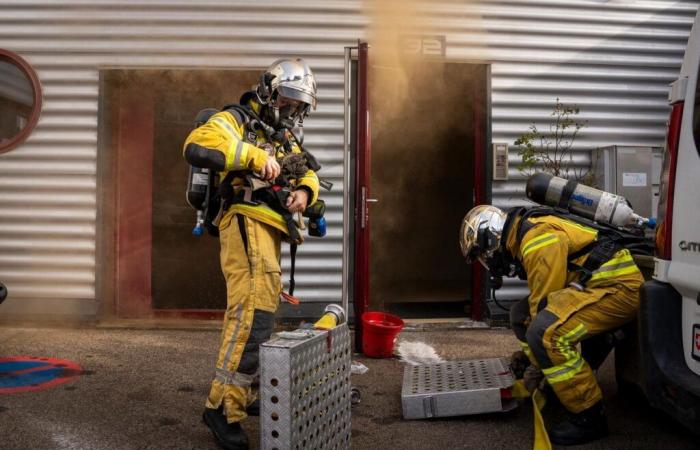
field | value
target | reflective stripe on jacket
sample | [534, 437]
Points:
[544, 252]
[223, 133]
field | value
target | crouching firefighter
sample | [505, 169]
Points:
[267, 178]
[583, 282]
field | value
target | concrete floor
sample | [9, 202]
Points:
[144, 389]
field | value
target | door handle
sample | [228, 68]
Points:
[364, 210]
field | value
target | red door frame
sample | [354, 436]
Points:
[480, 190]
[362, 192]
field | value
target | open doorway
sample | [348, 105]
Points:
[159, 267]
[425, 159]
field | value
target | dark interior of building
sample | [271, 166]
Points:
[422, 175]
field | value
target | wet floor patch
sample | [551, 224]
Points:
[168, 422]
[141, 395]
[386, 420]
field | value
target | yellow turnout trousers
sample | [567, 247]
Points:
[250, 255]
[570, 317]
[557, 315]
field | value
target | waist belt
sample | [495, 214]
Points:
[275, 200]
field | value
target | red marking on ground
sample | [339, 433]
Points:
[70, 371]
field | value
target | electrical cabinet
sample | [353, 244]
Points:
[632, 172]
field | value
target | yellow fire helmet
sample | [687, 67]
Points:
[480, 235]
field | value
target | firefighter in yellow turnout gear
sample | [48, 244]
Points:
[559, 312]
[251, 229]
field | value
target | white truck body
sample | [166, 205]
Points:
[683, 270]
[664, 360]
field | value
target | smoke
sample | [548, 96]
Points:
[392, 66]
[422, 153]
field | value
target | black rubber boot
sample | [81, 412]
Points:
[230, 436]
[254, 408]
[586, 426]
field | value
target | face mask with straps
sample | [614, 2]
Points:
[284, 113]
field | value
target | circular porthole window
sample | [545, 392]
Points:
[20, 100]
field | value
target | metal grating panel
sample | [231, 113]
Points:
[305, 391]
[455, 388]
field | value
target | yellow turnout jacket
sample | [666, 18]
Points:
[241, 150]
[544, 251]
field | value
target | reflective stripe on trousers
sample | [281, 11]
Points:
[571, 316]
[253, 286]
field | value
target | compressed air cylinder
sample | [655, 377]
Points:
[197, 185]
[583, 200]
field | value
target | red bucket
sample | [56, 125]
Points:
[379, 331]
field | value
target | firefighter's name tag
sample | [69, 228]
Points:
[696, 342]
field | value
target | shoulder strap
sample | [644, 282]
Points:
[311, 160]
[293, 257]
[243, 113]
[599, 252]
[511, 215]
[526, 225]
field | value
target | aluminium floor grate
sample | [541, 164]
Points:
[456, 388]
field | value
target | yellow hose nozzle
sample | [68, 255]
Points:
[332, 317]
[327, 322]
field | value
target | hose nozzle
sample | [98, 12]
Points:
[333, 316]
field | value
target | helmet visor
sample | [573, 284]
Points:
[296, 94]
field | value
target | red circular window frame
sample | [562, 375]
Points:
[18, 61]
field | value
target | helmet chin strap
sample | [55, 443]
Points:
[280, 121]
[286, 117]
[271, 115]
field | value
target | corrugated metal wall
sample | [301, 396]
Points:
[613, 58]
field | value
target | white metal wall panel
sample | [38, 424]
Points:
[613, 58]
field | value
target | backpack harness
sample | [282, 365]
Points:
[610, 240]
[294, 165]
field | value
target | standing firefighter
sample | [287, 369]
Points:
[581, 285]
[247, 144]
